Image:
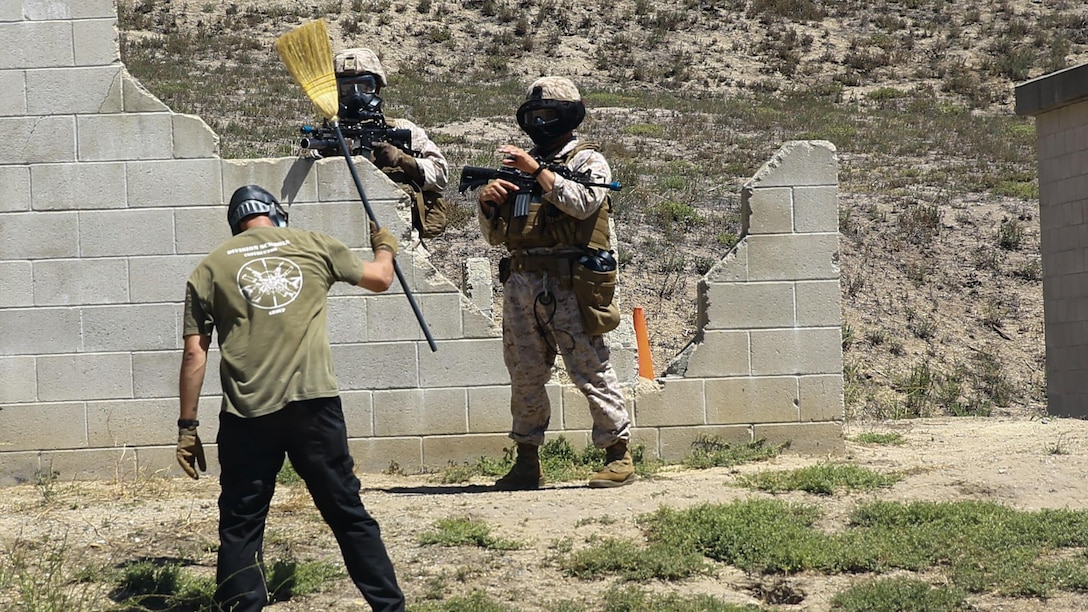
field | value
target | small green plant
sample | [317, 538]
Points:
[899, 595]
[162, 586]
[633, 562]
[875, 437]
[476, 601]
[465, 532]
[1010, 234]
[822, 479]
[1058, 447]
[712, 451]
[287, 475]
[290, 578]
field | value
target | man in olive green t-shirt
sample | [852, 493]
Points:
[264, 292]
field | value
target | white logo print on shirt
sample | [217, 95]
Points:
[270, 283]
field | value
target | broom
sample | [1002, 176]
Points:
[306, 52]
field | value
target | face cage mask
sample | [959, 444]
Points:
[247, 208]
[567, 116]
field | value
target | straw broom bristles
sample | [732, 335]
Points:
[306, 52]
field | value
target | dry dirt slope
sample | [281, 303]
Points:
[937, 316]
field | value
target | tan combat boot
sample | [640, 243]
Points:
[526, 475]
[618, 470]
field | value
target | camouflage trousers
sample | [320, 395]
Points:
[539, 322]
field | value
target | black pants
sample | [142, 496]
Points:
[251, 451]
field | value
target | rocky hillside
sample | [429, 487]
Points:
[939, 249]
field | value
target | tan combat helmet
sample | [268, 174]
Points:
[555, 88]
[355, 61]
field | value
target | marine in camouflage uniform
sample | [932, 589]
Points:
[360, 78]
[541, 313]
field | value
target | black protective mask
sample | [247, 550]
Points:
[546, 120]
[358, 106]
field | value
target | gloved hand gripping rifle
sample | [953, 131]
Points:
[529, 189]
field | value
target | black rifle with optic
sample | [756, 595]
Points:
[529, 189]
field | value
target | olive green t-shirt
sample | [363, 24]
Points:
[265, 292]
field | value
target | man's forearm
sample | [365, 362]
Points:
[191, 379]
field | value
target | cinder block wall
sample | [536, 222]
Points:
[99, 230]
[1059, 103]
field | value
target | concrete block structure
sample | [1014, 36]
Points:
[1059, 104]
[99, 232]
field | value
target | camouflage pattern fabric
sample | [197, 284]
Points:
[535, 329]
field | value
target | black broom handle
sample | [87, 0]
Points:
[370, 213]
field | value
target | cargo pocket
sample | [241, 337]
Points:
[594, 292]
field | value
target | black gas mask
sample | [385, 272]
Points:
[546, 120]
[359, 100]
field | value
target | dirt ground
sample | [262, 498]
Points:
[1024, 462]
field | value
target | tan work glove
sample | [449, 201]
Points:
[389, 156]
[382, 239]
[190, 452]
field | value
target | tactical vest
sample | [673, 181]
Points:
[548, 226]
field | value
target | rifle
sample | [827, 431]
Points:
[528, 188]
[359, 136]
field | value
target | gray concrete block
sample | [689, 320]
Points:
[377, 455]
[771, 210]
[489, 409]
[348, 319]
[43, 426]
[85, 377]
[18, 468]
[134, 423]
[130, 136]
[439, 451]
[37, 139]
[345, 221]
[418, 412]
[476, 325]
[336, 184]
[816, 209]
[59, 282]
[390, 317]
[748, 305]
[18, 380]
[676, 442]
[16, 182]
[12, 93]
[442, 312]
[478, 284]
[113, 233]
[821, 398]
[160, 278]
[69, 9]
[18, 286]
[28, 44]
[751, 400]
[794, 257]
[40, 330]
[575, 406]
[185, 182]
[819, 303]
[804, 438]
[155, 374]
[797, 351]
[721, 353]
[11, 10]
[676, 402]
[733, 267]
[130, 327]
[90, 464]
[78, 186]
[358, 409]
[463, 363]
[137, 99]
[96, 41]
[38, 235]
[292, 180]
[199, 230]
[193, 138]
[385, 365]
[799, 162]
[49, 91]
